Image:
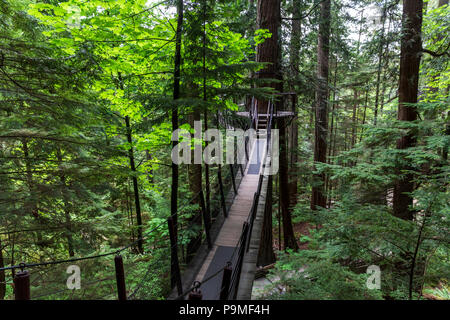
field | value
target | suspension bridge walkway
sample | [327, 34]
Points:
[224, 263]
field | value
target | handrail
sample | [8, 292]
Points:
[244, 239]
[261, 174]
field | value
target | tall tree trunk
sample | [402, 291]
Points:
[288, 230]
[269, 17]
[354, 116]
[411, 46]
[135, 186]
[148, 157]
[2, 274]
[294, 61]
[364, 114]
[32, 203]
[379, 69]
[195, 186]
[176, 96]
[205, 113]
[66, 203]
[318, 197]
[137, 202]
[332, 141]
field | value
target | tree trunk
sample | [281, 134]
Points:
[354, 116]
[195, 186]
[288, 230]
[32, 203]
[294, 61]
[66, 203]
[2, 274]
[176, 96]
[135, 186]
[332, 142]
[411, 46]
[379, 69]
[318, 197]
[268, 17]
[364, 115]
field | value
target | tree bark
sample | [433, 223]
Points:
[195, 186]
[379, 69]
[137, 202]
[294, 61]
[288, 230]
[269, 17]
[411, 46]
[176, 96]
[318, 197]
[66, 202]
[332, 141]
[2, 274]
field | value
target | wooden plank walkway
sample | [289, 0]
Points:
[239, 211]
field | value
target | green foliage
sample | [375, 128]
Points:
[315, 275]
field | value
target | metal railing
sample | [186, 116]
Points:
[231, 275]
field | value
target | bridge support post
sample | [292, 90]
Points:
[120, 278]
[232, 179]
[222, 195]
[226, 280]
[246, 148]
[206, 220]
[245, 237]
[195, 295]
[252, 217]
[175, 277]
[22, 285]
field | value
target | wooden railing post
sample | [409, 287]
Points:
[196, 293]
[226, 280]
[22, 285]
[175, 277]
[206, 220]
[246, 147]
[222, 195]
[232, 179]
[120, 278]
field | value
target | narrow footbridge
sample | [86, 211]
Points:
[220, 259]
[224, 266]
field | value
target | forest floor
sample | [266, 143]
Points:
[300, 229]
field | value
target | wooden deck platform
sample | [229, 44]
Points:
[279, 114]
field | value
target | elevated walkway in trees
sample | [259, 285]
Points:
[227, 269]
